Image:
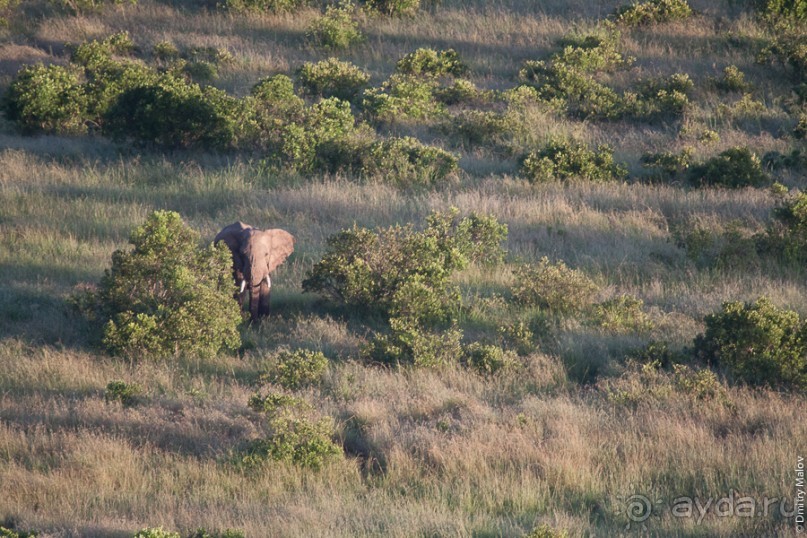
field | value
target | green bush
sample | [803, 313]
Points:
[432, 63]
[173, 113]
[260, 6]
[381, 269]
[545, 531]
[46, 99]
[592, 53]
[299, 441]
[407, 162]
[476, 127]
[789, 47]
[156, 532]
[84, 6]
[396, 8]
[518, 337]
[462, 91]
[757, 343]
[488, 359]
[668, 165]
[296, 369]
[333, 78]
[554, 287]
[336, 29]
[788, 234]
[409, 342]
[166, 296]
[734, 168]
[14, 533]
[128, 394]
[565, 159]
[652, 12]
[733, 80]
[402, 96]
[226, 533]
[776, 10]
[622, 314]
[274, 404]
[658, 98]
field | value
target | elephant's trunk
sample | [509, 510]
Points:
[254, 302]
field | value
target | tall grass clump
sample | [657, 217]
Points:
[166, 297]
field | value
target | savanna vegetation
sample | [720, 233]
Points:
[548, 275]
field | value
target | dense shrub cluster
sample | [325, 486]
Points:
[297, 440]
[565, 159]
[407, 162]
[402, 96]
[668, 165]
[393, 7]
[403, 272]
[788, 234]
[757, 343]
[128, 394]
[652, 12]
[432, 63]
[46, 99]
[260, 6]
[336, 29]
[734, 168]
[657, 99]
[488, 359]
[166, 296]
[409, 341]
[622, 314]
[554, 287]
[333, 78]
[296, 369]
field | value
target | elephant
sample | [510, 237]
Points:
[256, 253]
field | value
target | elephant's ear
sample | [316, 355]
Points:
[231, 235]
[281, 245]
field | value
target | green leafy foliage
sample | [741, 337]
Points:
[734, 168]
[261, 6]
[668, 165]
[652, 12]
[658, 98]
[333, 78]
[757, 343]
[777, 10]
[787, 236]
[14, 533]
[545, 531]
[297, 440]
[488, 359]
[46, 99]
[398, 269]
[128, 394]
[87, 6]
[226, 533]
[156, 532]
[296, 369]
[623, 314]
[554, 287]
[565, 159]
[409, 342]
[733, 80]
[166, 296]
[336, 29]
[402, 96]
[407, 162]
[175, 113]
[431, 63]
[396, 8]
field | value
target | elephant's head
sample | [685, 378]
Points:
[256, 253]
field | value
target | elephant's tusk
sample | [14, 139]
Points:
[268, 281]
[243, 286]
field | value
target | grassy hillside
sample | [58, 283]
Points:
[594, 411]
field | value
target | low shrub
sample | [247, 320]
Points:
[658, 98]
[226, 533]
[658, 353]
[475, 127]
[734, 168]
[776, 10]
[554, 287]
[519, 337]
[668, 165]
[333, 78]
[296, 369]
[395, 8]
[128, 394]
[652, 12]
[46, 99]
[757, 343]
[565, 159]
[800, 130]
[402, 96]
[274, 404]
[260, 6]
[545, 531]
[408, 342]
[174, 113]
[391, 268]
[299, 441]
[14, 533]
[733, 80]
[788, 47]
[432, 63]
[488, 359]
[407, 162]
[592, 53]
[156, 532]
[166, 296]
[623, 314]
[462, 91]
[336, 29]
[86, 6]
[787, 236]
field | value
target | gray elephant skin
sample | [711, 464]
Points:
[256, 253]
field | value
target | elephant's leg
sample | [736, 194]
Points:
[265, 291]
